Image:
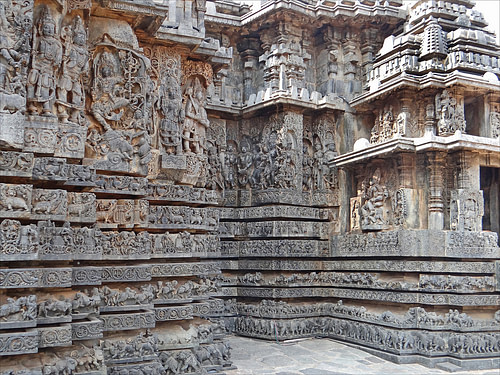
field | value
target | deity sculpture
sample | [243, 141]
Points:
[196, 120]
[107, 98]
[47, 56]
[173, 114]
[74, 66]
[372, 210]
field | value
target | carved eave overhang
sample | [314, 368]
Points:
[430, 142]
[481, 84]
[388, 12]
[143, 15]
[314, 104]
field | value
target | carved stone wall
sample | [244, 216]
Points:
[171, 172]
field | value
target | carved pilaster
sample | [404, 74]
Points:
[435, 198]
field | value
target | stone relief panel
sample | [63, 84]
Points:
[449, 113]
[122, 101]
[16, 20]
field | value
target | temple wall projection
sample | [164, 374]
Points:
[174, 172]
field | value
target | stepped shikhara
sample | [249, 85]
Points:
[172, 172]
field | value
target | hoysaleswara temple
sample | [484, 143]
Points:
[176, 171]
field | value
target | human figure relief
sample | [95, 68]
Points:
[372, 210]
[196, 120]
[47, 57]
[74, 66]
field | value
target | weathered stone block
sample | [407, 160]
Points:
[12, 130]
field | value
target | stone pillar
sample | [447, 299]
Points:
[435, 204]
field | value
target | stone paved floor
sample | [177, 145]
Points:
[318, 357]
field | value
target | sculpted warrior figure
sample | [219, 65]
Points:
[75, 64]
[47, 56]
[196, 119]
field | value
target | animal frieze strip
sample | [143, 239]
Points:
[415, 317]
[440, 299]
[458, 345]
[181, 193]
[433, 283]
[178, 215]
[47, 241]
[23, 201]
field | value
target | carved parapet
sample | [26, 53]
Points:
[267, 248]
[466, 210]
[281, 212]
[184, 245]
[277, 196]
[180, 218]
[16, 343]
[131, 321]
[16, 164]
[35, 278]
[417, 243]
[277, 229]
[125, 245]
[123, 213]
[125, 185]
[181, 193]
[55, 336]
[87, 330]
[15, 200]
[163, 314]
[126, 273]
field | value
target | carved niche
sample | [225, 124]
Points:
[122, 99]
[466, 210]
[450, 114]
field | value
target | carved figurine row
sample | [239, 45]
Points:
[367, 280]
[22, 201]
[86, 302]
[273, 162]
[415, 317]
[460, 345]
[45, 240]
